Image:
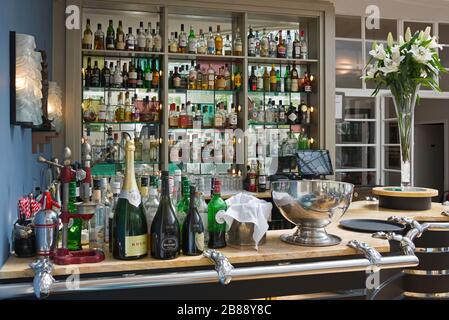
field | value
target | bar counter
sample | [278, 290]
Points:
[274, 252]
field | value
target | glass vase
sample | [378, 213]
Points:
[404, 104]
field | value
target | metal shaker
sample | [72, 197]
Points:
[46, 226]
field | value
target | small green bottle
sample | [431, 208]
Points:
[217, 231]
[75, 225]
[183, 206]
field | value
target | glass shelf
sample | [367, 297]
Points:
[103, 89]
[276, 93]
[200, 130]
[121, 123]
[270, 60]
[279, 125]
[122, 54]
[203, 57]
[216, 92]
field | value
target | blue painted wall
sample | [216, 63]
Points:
[19, 171]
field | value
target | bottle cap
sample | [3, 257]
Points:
[116, 187]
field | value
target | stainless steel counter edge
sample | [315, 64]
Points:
[9, 291]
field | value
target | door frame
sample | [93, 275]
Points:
[445, 124]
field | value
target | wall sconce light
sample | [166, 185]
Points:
[54, 107]
[26, 81]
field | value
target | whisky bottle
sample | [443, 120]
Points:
[110, 36]
[218, 42]
[120, 42]
[210, 42]
[99, 39]
[87, 37]
[182, 46]
[238, 44]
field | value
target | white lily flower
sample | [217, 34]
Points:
[370, 72]
[396, 54]
[390, 39]
[427, 32]
[379, 52]
[421, 35]
[423, 74]
[421, 54]
[408, 34]
[434, 44]
[389, 66]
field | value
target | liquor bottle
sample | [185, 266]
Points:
[207, 120]
[217, 231]
[282, 118]
[289, 45]
[253, 80]
[99, 39]
[101, 111]
[202, 43]
[109, 145]
[132, 76]
[279, 83]
[96, 224]
[273, 51]
[140, 75]
[218, 42]
[220, 82]
[148, 39]
[273, 80]
[202, 210]
[227, 48]
[182, 46]
[210, 78]
[198, 119]
[157, 39]
[120, 42]
[295, 79]
[266, 80]
[155, 80]
[210, 42]
[251, 43]
[96, 76]
[292, 116]
[75, 225]
[129, 225]
[303, 45]
[307, 85]
[110, 110]
[193, 229]
[264, 45]
[237, 80]
[303, 109]
[117, 81]
[192, 76]
[257, 39]
[173, 118]
[87, 37]
[296, 48]
[110, 36]
[107, 210]
[106, 75]
[281, 49]
[238, 44]
[151, 205]
[176, 79]
[303, 142]
[138, 149]
[115, 196]
[148, 75]
[192, 41]
[88, 74]
[125, 76]
[262, 180]
[141, 38]
[218, 119]
[287, 80]
[260, 79]
[130, 40]
[233, 118]
[128, 108]
[120, 111]
[165, 233]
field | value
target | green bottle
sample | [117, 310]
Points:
[183, 206]
[287, 80]
[75, 225]
[303, 142]
[217, 231]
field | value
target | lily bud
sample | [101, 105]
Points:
[421, 35]
[390, 40]
[374, 46]
[408, 34]
[401, 40]
[427, 32]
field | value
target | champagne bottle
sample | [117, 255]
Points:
[165, 233]
[129, 226]
[193, 229]
[75, 225]
[217, 231]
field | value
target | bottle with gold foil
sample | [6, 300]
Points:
[129, 225]
[218, 42]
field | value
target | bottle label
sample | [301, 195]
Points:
[199, 241]
[295, 85]
[142, 42]
[182, 42]
[177, 82]
[157, 44]
[170, 244]
[136, 246]
[132, 196]
[192, 46]
[87, 40]
[202, 49]
[251, 45]
[292, 117]
[233, 119]
[238, 47]
[297, 51]
[211, 46]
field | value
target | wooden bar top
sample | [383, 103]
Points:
[274, 250]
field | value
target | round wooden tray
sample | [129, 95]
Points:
[412, 198]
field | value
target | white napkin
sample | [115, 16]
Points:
[246, 208]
